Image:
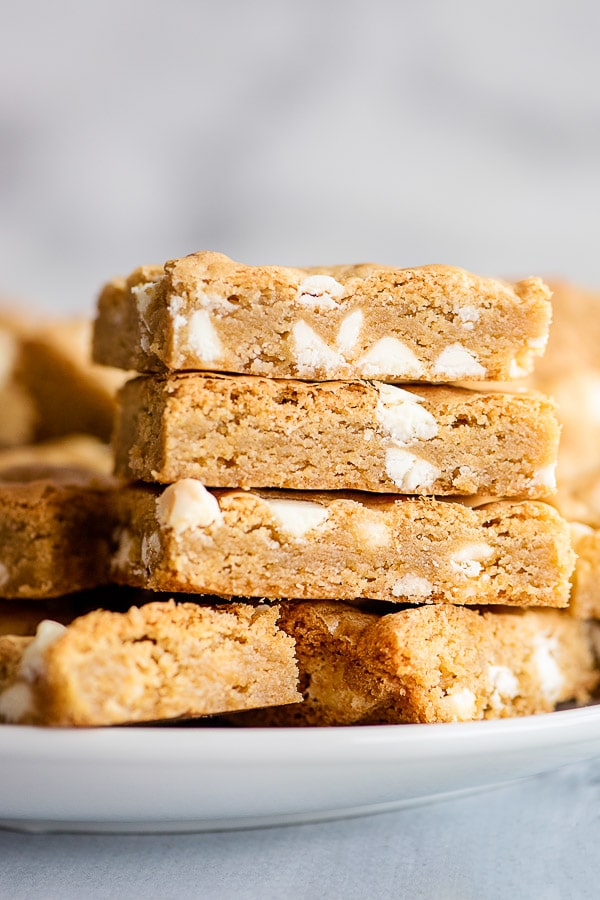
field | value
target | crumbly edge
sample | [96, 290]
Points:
[432, 665]
[161, 661]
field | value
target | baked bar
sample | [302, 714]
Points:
[159, 661]
[69, 392]
[257, 432]
[336, 546]
[434, 323]
[431, 664]
[55, 529]
[18, 419]
[570, 372]
[71, 451]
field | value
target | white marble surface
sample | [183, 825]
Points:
[296, 133]
[537, 840]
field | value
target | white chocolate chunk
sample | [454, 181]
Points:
[462, 703]
[516, 370]
[412, 586]
[350, 331]
[539, 344]
[203, 338]
[313, 355]
[400, 414]
[549, 673]
[504, 685]
[409, 472]
[390, 357]
[16, 701]
[297, 517]
[213, 301]
[467, 561]
[32, 663]
[122, 556]
[144, 295]
[457, 362]
[187, 504]
[320, 292]
[546, 477]
[468, 315]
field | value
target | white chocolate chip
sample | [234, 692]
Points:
[297, 517]
[390, 357]
[409, 472]
[400, 414]
[178, 320]
[412, 586]
[457, 362]
[545, 477]
[216, 302]
[16, 701]
[187, 504]
[516, 370]
[462, 703]
[539, 344]
[548, 670]
[350, 331]
[144, 294]
[320, 291]
[313, 355]
[468, 315]
[467, 561]
[203, 338]
[504, 685]
[32, 663]
[122, 557]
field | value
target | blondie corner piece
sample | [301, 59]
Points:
[433, 324]
[161, 661]
[55, 530]
[248, 432]
[309, 545]
[431, 664]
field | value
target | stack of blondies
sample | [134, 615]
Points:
[298, 438]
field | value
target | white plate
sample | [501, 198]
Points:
[192, 779]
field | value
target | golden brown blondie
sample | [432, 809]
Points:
[257, 432]
[310, 545]
[433, 323]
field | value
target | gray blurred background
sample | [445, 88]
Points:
[296, 133]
